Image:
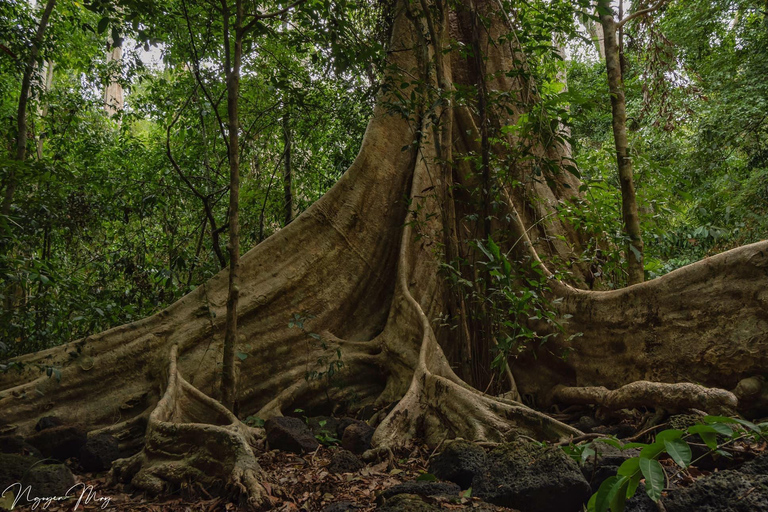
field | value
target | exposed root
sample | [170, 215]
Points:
[192, 440]
[437, 403]
[671, 397]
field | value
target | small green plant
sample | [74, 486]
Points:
[326, 437]
[329, 363]
[517, 298]
[715, 431]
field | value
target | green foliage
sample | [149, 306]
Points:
[715, 431]
[103, 230]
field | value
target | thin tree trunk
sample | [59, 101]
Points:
[113, 92]
[43, 109]
[288, 208]
[229, 377]
[619, 121]
[21, 116]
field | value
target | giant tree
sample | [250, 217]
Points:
[361, 269]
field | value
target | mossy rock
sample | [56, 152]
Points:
[531, 477]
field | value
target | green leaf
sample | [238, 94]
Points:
[634, 445]
[242, 356]
[654, 477]
[602, 498]
[629, 467]
[609, 441]
[669, 435]
[652, 450]
[679, 451]
[103, 24]
[634, 481]
[723, 429]
[426, 477]
[618, 495]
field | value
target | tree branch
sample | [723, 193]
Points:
[639, 13]
[275, 14]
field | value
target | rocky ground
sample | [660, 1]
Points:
[314, 464]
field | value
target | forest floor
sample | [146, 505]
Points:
[304, 482]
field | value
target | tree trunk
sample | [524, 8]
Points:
[361, 268]
[232, 67]
[113, 92]
[21, 113]
[288, 209]
[629, 209]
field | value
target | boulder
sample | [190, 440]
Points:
[357, 437]
[17, 444]
[344, 461]
[341, 506]
[99, 452]
[290, 435]
[458, 463]
[730, 490]
[640, 502]
[421, 488]
[48, 422]
[532, 478]
[586, 424]
[13, 467]
[605, 463]
[407, 503]
[343, 423]
[48, 480]
[60, 442]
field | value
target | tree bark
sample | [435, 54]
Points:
[362, 266]
[21, 112]
[232, 67]
[288, 209]
[629, 208]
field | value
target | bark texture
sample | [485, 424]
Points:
[629, 210]
[361, 268]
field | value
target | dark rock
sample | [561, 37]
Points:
[341, 506]
[342, 425]
[290, 435]
[620, 430]
[641, 502]
[605, 463]
[329, 426]
[99, 452]
[60, 442]
[586, 424]
[458, 463]
[48, 422]
[344, 461]
[758, 466]
[407, 503]
[47, 480]
[13, 467]
[422, 488]
[357, 437]
[683, 421]
[17, 444]
[531, 478]
[730, 490]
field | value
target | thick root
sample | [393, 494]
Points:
[670, 397]
[192, 440]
